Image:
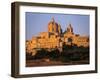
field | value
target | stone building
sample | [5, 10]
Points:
[55, 38]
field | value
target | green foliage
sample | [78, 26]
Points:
[54, 55]
[41, 54]
[68, 54]
[29, 56]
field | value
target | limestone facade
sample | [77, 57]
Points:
[55, 38]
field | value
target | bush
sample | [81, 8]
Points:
[29, 56]
[41, 54]
[54, 55]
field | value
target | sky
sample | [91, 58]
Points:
[38, 22]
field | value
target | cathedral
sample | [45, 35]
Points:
[55, 38]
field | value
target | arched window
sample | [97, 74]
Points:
[69, 40]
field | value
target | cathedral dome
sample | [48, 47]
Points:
[54, 27]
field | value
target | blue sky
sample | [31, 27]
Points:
[38, 22]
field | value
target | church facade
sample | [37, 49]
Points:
[55, 38]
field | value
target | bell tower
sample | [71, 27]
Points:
[69, 29]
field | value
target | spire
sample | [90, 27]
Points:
[53, 20]
[70, 28]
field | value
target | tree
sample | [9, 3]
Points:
[54, 54]
[41, 54]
